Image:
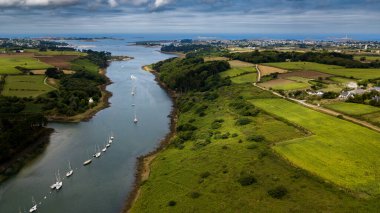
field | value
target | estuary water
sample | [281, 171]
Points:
[104, 185]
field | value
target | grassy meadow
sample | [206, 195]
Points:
[9, 64]
[339, 151]
[205, 173]
[329, 69]
[84, 64]
[352, 108]
[25, 86]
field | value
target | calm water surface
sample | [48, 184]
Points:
[103, 186]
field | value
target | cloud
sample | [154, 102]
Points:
[113, 3]
[160, 3]
[36, 3]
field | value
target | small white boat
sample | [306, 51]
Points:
[98, 152]
[59, 182]
[135, 120]
[34, 207]
[54, 185]
[87, 161]
[108, 145]
[105, 148]
[70, 172]
[111, 136]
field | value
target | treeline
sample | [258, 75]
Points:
[191, 74]
[330, 58]
[17, 131]
[100, 58]
[186, 48]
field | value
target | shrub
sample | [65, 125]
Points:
[257, 138]
[172, 203]
[234, 135]
[186, 127]
[278, 192]
[243, 121]
[216, 125]
[205, 175]
[247, 180]
[340, 116]
[195, 195]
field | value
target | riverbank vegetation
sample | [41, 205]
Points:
[238, 148]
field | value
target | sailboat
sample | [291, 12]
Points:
[54, 185]
[105, 148]
[133, 91]
[59, 182]
[34, 207]
[98, 153]
[87, 161]
[111, 136]
[135, 120]
[70, 172]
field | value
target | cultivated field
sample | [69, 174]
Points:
[215, 58]
[9, 64]
[339, 151]
[247, 78]
[266, 70]
[285, 84]
[240, 64]
[329, 69]
[54, 53]
[61, 61]
[352, 108]
[25, 86]
[237, 71]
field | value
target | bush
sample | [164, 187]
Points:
[216, 125]
[278, 192]
[234, 135]
[257, 138]
[172, 203]
[205, 175]
[243, 121]
[195, 195]
[247, 180]
[186, 127]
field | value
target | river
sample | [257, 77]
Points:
[104, 185]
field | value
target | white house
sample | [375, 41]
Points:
[352, 85]
[90, 101]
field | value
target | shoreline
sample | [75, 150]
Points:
[143, 162]
[87, 115]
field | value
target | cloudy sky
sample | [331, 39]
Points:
[190, 16]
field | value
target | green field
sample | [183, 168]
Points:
[25, 86]
[291, 86]
[247, 78]
[339, 151]
[237, 71]
[52, 53]
[342, 80]
[203, 177]
[352, 108]
[8, 64]
[84, 64]
[329, 69]
[367, 57]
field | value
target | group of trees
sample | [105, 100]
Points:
[75, 90]
[188, 47]
[191, 73]
[331, 58]
[371, 98]
[17, 130]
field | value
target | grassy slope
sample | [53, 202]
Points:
[8, 64]
[84, 64]
[352, 108]
[176, 174]
[330, 69]
[340, 151]
[247, 78]
[25, 86]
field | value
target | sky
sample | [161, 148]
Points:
[190, 16]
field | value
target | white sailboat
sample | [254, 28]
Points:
[87, 161]
[105, 148]
[98, 153]
[111, 136]
[110, 140]
[133, 91]
[54, 185]
[135, 120]
[70, 172]
[59, 182]
[34, 207]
